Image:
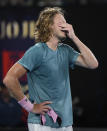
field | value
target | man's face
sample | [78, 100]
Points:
[56, 27]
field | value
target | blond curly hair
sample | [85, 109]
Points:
[43, 32]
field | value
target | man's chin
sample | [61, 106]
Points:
[62, 38]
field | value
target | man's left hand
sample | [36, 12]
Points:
[68, 29]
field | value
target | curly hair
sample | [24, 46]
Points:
[43, 32]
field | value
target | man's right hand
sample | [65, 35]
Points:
[41, 108]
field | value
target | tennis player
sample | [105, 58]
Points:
[47, 66]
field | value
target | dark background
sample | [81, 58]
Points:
[88, 87]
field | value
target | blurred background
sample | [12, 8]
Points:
[88, 87]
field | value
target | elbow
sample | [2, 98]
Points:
[6, 81]
[95, 65]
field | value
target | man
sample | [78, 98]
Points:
[47, 65]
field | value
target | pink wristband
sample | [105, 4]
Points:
[26, 104]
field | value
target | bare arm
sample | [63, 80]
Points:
[12, 83]
[11, 80]
[86, 58]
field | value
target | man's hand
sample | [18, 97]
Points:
[68, 29]
[86, 57]
[41, 108]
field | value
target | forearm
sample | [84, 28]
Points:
[14, 87]
[86, 53]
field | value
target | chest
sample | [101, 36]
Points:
[55, 62]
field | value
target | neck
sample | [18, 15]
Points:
[53, 43]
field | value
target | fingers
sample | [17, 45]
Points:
[45, 107]
[43, 113]
[64, 28]
[63, 25]
[45, 110]
[42, 108]
[46, 103]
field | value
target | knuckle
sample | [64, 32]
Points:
[43, 113]
[44, 102]
[46, 110]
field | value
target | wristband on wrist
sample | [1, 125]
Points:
[26, 104]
